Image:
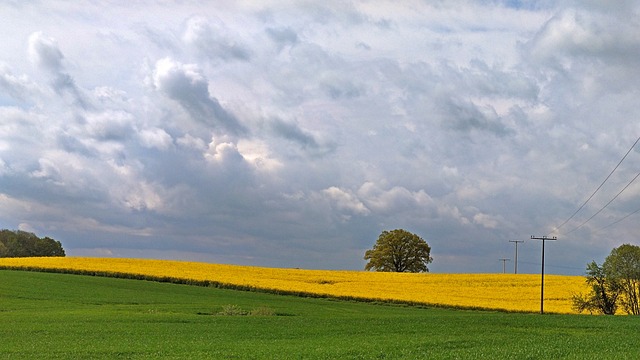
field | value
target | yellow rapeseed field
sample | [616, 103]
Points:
[509, 292]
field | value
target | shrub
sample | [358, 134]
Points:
[235, 310]
[263, 311]
[232, 310]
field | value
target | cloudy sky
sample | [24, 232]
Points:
[291, 133]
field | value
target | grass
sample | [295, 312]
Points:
[61, 316]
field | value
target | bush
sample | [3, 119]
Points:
[616, 282]
[262, 311]
[235, 310]
[232, 310]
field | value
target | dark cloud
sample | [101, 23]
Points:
[292, 132]
[110, 126]
[45, 53]
[339, 88]
[465, 116]
[282, 36]
[162, 39]
[186, 85]
[213, 40]
[300, 143]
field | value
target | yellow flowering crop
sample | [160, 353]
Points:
[509, 292]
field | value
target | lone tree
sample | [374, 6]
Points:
[614, 284]
[399, 251]
[623, 266]
[604, 294]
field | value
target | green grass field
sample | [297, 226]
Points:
[59, 316]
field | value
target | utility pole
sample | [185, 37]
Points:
[515, 271]
[543, 238]
[504, 261]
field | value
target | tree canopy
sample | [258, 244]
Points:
[623, 266]
[399, 251]
[614, 284]
[604, 294]
[24, 244]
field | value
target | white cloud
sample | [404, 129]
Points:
[486, 220]
[156, 138]
[190, 141]
[258, 153]
[223, 153]
[395, 200]
[345, 200]
[19, 87]
[143, 196]
[576, 32]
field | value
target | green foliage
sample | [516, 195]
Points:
[399, 251]
[232, 310]
[623, 266]
[24, 244]
[604, 292]
[615, 283]
[262, 311]
[235, 310]
[60, 316]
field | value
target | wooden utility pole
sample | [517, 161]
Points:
[504, 261]
[543, 238]
[515, 271]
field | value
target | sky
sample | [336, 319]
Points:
[292, 133]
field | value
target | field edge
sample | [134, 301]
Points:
[248, 288]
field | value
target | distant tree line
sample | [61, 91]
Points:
[20, 243]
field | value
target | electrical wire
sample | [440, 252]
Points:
[550, 265]
[607, 204]
[594, 193]
[617, 221]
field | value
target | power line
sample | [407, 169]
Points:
[617, 221]
[598, 189]
[552, 266]
[607, 204]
